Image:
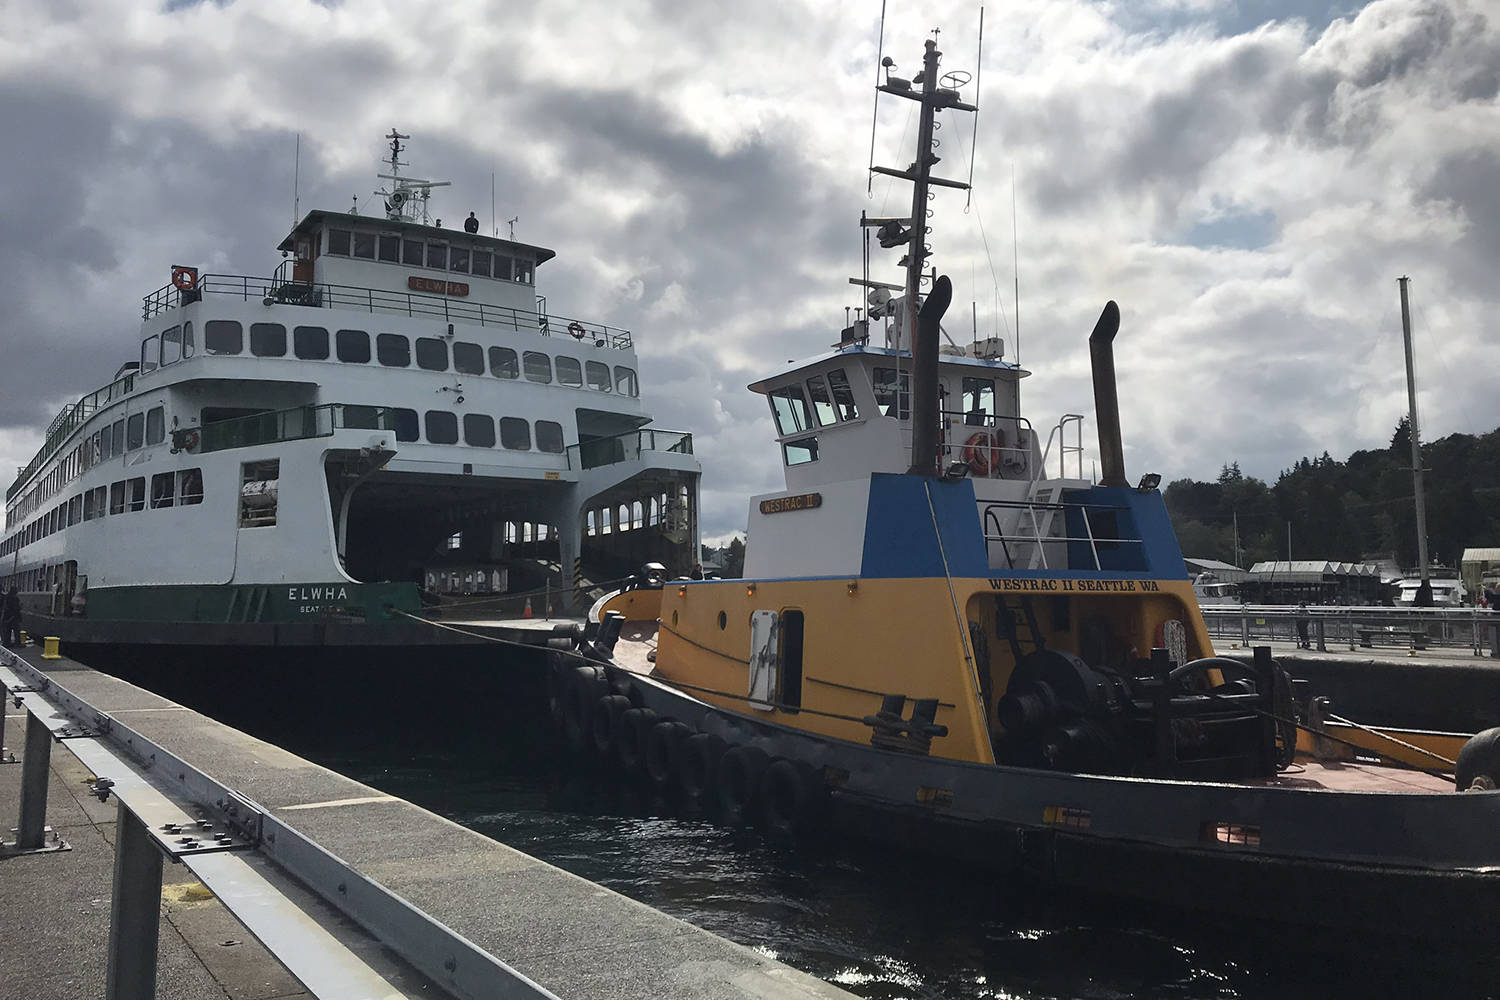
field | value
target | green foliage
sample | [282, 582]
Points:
[1344, 511]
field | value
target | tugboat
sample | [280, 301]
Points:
[392, 420]
[939, 643]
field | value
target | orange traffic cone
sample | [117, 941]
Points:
[526, 613]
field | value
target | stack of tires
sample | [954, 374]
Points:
[600, 717]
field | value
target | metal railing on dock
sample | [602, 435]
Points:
[1322, 627]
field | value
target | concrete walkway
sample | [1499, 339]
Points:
[575, 938]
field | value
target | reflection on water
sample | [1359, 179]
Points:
[469, 741]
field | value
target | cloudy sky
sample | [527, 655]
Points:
[1246, 179]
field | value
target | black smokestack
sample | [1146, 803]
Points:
[1106, 399]
[924, 379]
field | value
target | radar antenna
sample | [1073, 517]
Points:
[407, 197]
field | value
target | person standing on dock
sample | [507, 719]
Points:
[1302, 642]
[10, 617]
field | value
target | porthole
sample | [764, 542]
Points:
[723, 621]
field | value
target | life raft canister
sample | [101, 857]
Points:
[184, 279]
[576, 329]
[979, 451]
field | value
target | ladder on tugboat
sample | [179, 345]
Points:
[1009, 626]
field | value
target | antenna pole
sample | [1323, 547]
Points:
[297, 183]
[1416, 449]
[924, 404]
[1015, 258]
[494, 225]
[974, 139]
[875, 111]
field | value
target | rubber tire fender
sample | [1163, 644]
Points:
[630, 741]
[559, 671]
[790, 796]
[578, 707]
[664, 752]
[1479, 756]
[604, 723]
[739, 779]
[699, 765]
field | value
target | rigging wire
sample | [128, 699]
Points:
[974, 139]
[875, 111]
[990, 259]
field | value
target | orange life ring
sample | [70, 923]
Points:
[576, 329]
[190, 441]
[979, 451]
[184, 279]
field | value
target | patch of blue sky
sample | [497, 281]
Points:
[1228, 17]
[1234, 230]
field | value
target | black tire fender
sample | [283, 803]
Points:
[578, 707]
[630, 741]
[1479, 760]
[604, 723]
[790, 797]
[740, 774]
[699, 766]
[664, 752]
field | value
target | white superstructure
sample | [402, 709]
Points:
[395, 408]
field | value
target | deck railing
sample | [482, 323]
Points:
[275, 290]
[627, 447]
[293, 424]
[72, 417]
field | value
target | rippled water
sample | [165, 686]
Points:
[478, 751]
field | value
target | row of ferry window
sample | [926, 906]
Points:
[393, 350]
[184, 487]
[138, 430]
[392, 249]
[442, 427]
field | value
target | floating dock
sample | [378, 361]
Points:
[331, 873]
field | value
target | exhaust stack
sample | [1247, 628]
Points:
[1106, 399]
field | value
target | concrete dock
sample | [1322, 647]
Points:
[568, 935]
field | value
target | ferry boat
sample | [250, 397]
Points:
[393, 419]
[947, 642]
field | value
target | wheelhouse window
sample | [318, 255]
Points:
[338, 241]
[458, 259]
[549, 436]
[789, 407]
[515, 434]
[117, 497]
[138, 493]
[801, 452]
[432, 354]
[268, 340]
[887, 397]
[979, 401]
[135, 431]
[598, 376]
[479, 430]
[480, 263]
[411, 252]
[625, 381]
[223, 336]
[503, 363]
[843, 395]
[437, 255]
[502, 266]
[161, 489]
[393, 350]
[468, 359]
[310, 343]
[822, 402]
[406, 425]
[569, 371]
[171, 345]
[390, 248]
[364, 245]
[156, 425]
[442, 426]
[522, 271]
[187, 340]
[119, 436]
[538, 367]
[150, 353]
[352, 346]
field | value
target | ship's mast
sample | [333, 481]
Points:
[932, 97]
[406, 201]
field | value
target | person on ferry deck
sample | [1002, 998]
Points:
[471, 224]
[10, 617]
[697, 573]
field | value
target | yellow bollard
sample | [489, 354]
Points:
[49, 648]
[25, 639]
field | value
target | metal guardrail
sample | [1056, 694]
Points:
[72, 417]
[627, 447]
[1476, 629]
[250, 288]
[292, 424]
[168, 808]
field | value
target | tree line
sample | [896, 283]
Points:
[1349, 511]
